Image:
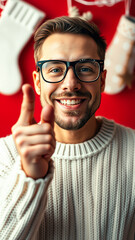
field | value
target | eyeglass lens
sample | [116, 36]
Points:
[54, 71]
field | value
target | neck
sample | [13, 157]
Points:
[88, 131]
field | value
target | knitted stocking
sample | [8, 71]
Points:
[17, 24]
[120, 57]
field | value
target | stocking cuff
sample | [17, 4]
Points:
[126, 27]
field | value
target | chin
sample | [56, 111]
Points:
[72, 125]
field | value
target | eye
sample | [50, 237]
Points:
[55, 70]
[85, 69]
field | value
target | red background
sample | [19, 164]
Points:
[120, 107]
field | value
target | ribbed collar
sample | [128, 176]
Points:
[87, 148]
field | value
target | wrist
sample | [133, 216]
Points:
[36, 170]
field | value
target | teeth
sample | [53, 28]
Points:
[70, 102]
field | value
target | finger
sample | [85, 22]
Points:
[47, 115]
[34, 129]
[33, 152]
[27, 107]
[36, 140]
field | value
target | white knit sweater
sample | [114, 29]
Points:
[91, 196]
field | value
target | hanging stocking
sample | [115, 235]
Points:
[120, 57]
[73, 11]
[17, 24]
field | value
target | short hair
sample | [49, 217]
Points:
[65, 24]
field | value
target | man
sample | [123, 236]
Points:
[71, 176]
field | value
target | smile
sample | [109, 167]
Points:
[69, 102]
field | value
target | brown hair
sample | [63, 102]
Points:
[74, 25]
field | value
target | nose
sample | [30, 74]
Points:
[71, 82]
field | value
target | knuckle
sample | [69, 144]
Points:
[26, 107]
[49, 138]
[20, 141]
[16, 131]
[48, 148]
[25, 152]
[47, 127]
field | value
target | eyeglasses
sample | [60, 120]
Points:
[86, 70]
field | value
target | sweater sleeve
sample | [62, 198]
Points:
[22, 199]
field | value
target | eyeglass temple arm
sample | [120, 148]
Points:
[102, 66]
[37, 67]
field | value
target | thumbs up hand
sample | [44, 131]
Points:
[35, 142]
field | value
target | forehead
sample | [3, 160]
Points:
[68, 46]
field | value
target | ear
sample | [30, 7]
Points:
[37, 84]
[103, 77]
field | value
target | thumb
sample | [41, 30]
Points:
[47, 114]
[28, 106]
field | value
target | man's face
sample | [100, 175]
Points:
[75, 102]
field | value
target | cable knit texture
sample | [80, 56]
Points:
[90, 195]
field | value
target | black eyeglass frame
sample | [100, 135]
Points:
[72, 64]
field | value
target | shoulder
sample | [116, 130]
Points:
[121, 135]
[118, 127]
[125, 132]
[124, 141]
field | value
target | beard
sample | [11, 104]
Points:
[82, 120]
[79, 123]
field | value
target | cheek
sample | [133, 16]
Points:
[46, 90]
[93, 88]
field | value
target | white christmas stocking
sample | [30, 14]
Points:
[120, 57]
[17, 24]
